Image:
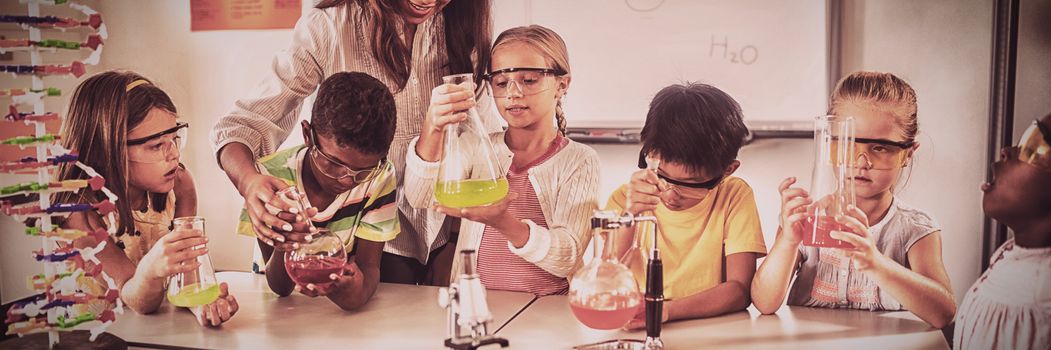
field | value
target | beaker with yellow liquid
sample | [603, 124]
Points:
[469, 174]
[197, 287]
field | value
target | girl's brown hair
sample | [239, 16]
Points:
[102, 111]
[468, 24]
[882, 90]
[550, 45]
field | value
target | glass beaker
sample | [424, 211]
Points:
[603, 294]
[314, 261]
[469, 174]
[198, 287]
[832, 182]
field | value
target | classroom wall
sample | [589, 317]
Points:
[1033, 84]
[940, 46]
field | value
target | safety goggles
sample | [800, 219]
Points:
[1033, 148]
[691, 190]
[524, 81]
[337, 170]
[876, 154]
[158, 147]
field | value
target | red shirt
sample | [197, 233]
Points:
[501, 269]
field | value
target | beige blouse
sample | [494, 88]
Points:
[150, 226]
[1009, 306]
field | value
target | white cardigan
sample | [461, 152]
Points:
[566, 186]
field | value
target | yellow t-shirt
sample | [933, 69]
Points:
[694, 241]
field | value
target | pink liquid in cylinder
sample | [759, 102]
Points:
[819, 236]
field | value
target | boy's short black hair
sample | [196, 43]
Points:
[356, 110]
[696, 125]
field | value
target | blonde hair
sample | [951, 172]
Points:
[550, 45]
[880, 90]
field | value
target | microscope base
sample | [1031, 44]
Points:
[616, 344]
[488, 340]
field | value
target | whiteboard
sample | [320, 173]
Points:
[771, 56]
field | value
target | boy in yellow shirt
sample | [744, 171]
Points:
[708, 224]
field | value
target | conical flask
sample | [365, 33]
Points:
[832, 181]
[469, 174]
[603, 294]
[197, 287]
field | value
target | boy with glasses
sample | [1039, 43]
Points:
[342, 171]
[708, 224]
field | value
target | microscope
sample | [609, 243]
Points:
[468, 311]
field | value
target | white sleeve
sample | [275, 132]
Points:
[264, 120]
[558, 248]
[420, 177]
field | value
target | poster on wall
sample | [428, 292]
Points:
[243, 14]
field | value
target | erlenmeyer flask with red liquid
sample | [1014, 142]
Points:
[832, 183]
[603, 294]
